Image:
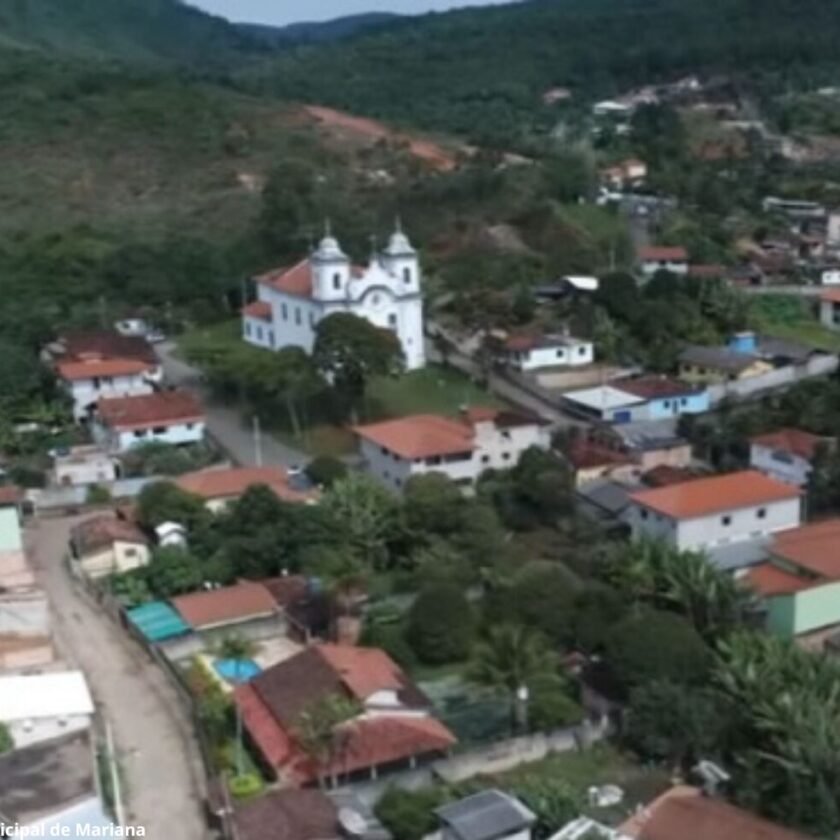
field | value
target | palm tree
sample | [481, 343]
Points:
[239, 649]
[321, 732]
[510, 659]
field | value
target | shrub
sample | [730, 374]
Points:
[441, 625]
[325, 471]
[246, 786]
[98, 495]
[409, 814]
[391, 639]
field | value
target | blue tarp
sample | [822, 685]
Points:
[158, 621]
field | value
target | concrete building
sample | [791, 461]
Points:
[714, 365]
[486, 815]
[481, 439]
[39, 707]
[800, 582]
[173, 417]
[83, 465]
[107, 545]
[656, 258]
[786, 454]
[15, 573]
[830, 309]
[646, 398]
[530, 352]
[710, 513]
[386, 292]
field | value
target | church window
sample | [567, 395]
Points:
[392, 320]
[336, 281]
[406, 275]
[247, 328]
[311, 319]
[297, 316]
[285, 312]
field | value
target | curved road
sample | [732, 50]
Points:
[161, 768]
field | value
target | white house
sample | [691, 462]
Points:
[530, 352]
[173, 417]
[481, 439]
[710, 513]
[39, 707]
[786, 454]
[106, 545]
[387, 292]
[663, 258]
[83, 465]
[486, 815]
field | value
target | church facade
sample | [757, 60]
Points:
[387, 292]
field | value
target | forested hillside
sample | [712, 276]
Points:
[320, 32]
[133, 30]
[481, 72]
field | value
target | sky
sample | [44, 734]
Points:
[292, 11]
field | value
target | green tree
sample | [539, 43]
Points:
[165, 502]
[365, 514]
[323, 729]
[654, 645]
[324, 471]
[238, 649]
[432, 504]
[7, 744]
[410, 814]
[441, 625]
[173, 571]
[350, 351]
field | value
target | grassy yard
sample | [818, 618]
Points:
[794, 318]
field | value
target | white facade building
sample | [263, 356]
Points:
[528, 353]
[785, 455]
[663, 258]
[387, 293]
[90, 381]
[39, 707]
[462, 449]
[711, 513]
[173, 417]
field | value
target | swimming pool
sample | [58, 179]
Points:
[236, 670]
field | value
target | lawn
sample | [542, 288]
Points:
[794, 318]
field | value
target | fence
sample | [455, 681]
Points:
[756, 386]
[64, 498]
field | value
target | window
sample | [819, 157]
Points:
[581, 351]
[561, 353]
[259, 333]
[683, 401]
[311, 319]
[726, 520]
[284, 311]
[506, 435]
[190, 426]
[247, 328]
[761, 513]
[392, 320]
[107, 380]
[383, 450]
[337, 281]
[159, 430]
[375, 300]
[271, 337]
[139, 433]
[506, 456]
[130, 552]
[406, 275]
[96, 382]
[666, 404]
[643, 513]
[485, 459]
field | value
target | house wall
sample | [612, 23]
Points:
[34, 730]
[121, 557]
[830, 315]
[256, 629]
[15, 572]
[121, 440]
[11, 538]
[661, 409]
[259, 332]
[619, 472]
[25, 614]
[572, 355]
[87, 471]
[39, 655]
[700, 375]
[803, 612]
[781, 465]
[712, 531]
[674, 456]
[86, 392]
[650, 267]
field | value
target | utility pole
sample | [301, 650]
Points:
[258, 454]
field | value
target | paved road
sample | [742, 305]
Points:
[160, 765]
[227, 425]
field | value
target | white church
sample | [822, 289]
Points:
[291, 301]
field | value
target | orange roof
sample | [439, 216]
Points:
[768, 579]
[795, 441]
[150, 410]
[230, 604]
[88, 369]
[363, 670]
[684, 812]
[232, 483]
[419, 436]
[585, 454]
[813, 547]
[831, 296]
[258, 309]
[663, 253]
[704, 496]
[293, 281]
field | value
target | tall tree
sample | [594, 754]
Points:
[350, 351]
[238, 649]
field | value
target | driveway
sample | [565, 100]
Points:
[227, 425]
[161, 769]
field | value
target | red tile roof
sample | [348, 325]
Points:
[794, 441]
[768, 579]
[420, 436]
[665, 475]
[583, 454]
[90, 368]
[103, 531]
[10, 495]
[363, 670]
[288, 815]
[106, 345]
[705, 496]
[663, 253]
[831, 296]
[815, 547]
[228, 605]
[684, 813]
[150, 410]
[232, 483]
[706, 271]
[258, 309]
[297, 280]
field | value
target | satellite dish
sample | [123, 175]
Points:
[353, 823]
